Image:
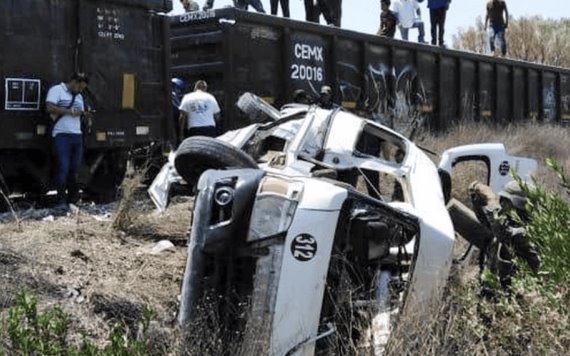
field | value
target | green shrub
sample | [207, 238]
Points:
[25, 331]
[549, 229]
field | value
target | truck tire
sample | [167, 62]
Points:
[199, 153]
[257, 109]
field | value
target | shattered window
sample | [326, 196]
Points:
[378, 185]
[380, 144]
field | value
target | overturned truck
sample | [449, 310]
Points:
[311, 232]
[120, 45]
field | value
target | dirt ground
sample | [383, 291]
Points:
[98, 275]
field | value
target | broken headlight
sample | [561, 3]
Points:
[274, 207]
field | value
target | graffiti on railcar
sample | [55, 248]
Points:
[549, 111]
[385, 93]
[468, 106]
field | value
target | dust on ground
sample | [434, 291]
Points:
[98, 275]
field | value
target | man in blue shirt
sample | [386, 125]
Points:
[437, 12]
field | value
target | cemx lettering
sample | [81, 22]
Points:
[308, 52]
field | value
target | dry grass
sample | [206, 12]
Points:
[535, 140]
[124, 215]
[533, 39]
[466, 324]
[100, 275]
[528, 323]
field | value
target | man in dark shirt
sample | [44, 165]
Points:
[388, 20]
[495, 10]
[437, 13]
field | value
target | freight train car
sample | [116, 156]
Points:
[238, 51]
[122, 45]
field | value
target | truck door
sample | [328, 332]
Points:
[489, 163]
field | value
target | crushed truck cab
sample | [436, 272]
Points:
[312, 216]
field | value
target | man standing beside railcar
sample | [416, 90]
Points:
[65, 104]
[198, 112]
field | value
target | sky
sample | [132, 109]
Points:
[364, 15]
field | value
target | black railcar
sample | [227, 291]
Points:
[239, 51]
[122, 45]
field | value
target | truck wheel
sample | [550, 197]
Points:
[199, 153]
[256, 108]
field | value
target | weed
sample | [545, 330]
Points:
[124, 215]
[27, 331]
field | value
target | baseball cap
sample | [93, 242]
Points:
[178, 83]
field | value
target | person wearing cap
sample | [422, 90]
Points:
[64, 103]
[496, 211]
[177, 91]
[198, 112]
[325, 98]
[388, 20]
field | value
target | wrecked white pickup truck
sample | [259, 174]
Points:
[304, 223]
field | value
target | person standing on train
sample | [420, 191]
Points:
[437, 13]
[409, 16]
[284, 7]
[498, 24]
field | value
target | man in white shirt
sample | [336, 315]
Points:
[198, 111]
[409, 16]
[64, 103]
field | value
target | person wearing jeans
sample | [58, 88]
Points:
[437, 12]
[498, 24]
[68, 150]
[409, 16]
[498, 35]
[421, 32]
[64, 103]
